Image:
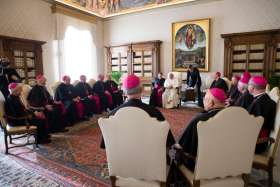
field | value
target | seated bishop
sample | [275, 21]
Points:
[66, 94]
[233, 93]
[14, 108]
[157, 91]
[264, 106]
[214, 101]
[112, 87]
[106, 98]
[91, 102]
[219, 82]
[170, 97]
[40, 100]
[245, 98]
[133, 89]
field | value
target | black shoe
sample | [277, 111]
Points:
[44, 141]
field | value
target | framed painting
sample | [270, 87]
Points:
[190, 45]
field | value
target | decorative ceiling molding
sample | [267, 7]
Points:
[73, 12]
[110, 8]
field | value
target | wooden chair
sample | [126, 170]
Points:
[24, 131]
[226, 146]
[266, 161]
[135, 148]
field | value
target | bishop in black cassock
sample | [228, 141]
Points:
[263, 106]
[219, 83]
[157, 91]
[188, 141]
[40, 99]
[135, 101]
[112, 88]
[105, 97]
[66, 93]
[14, 108]
[84, 91]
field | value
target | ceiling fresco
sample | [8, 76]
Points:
[109, 8]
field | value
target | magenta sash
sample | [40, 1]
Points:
[96, 99]
[80, 109]
[109, 98]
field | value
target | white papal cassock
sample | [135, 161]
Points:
[170, 97]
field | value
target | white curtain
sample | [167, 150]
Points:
[76, 48]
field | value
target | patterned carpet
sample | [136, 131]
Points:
[74, 158]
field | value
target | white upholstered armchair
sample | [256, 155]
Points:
[226, 146]
[135, 147]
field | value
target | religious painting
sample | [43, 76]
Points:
[190, 45]
[108, 8]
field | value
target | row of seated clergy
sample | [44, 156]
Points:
[132, 88]
[214, 101]
[81, 99]
[14, 108]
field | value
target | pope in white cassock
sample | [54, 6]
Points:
[170, 97]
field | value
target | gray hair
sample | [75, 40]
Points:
[133, 91]
[257, 87]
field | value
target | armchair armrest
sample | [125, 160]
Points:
[18, 118]
[265, 140]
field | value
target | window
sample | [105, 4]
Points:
[79, 51]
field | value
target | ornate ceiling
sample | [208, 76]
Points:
[109, 8]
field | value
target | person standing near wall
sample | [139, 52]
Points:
[194, 81]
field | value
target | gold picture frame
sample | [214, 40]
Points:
[190, 45]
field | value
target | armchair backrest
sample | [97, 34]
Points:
[135, 144]
[54, 86]
[227, 81]
[226, 144]
[75, 82]
[275, 134]
[178, 76]
[91, 82]
[274, 94]
[2, 109]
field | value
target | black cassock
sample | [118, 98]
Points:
[153, 112]
[66, 93]
[156, 84]
[38, 98]
[112, 87]
[189, 139]
[15, 108]
[244, 100]
[99, 89]
[83, 90]
[233, 94]
[220, 83]
[263, 106]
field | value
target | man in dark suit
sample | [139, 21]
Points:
[194, 80]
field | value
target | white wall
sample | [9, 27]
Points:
[30, 19]
[33, 19]
[227, 16]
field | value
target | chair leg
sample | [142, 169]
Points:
[36, 140]
[6, 143]
[270, 177]
[113, 180]
[11, 140]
